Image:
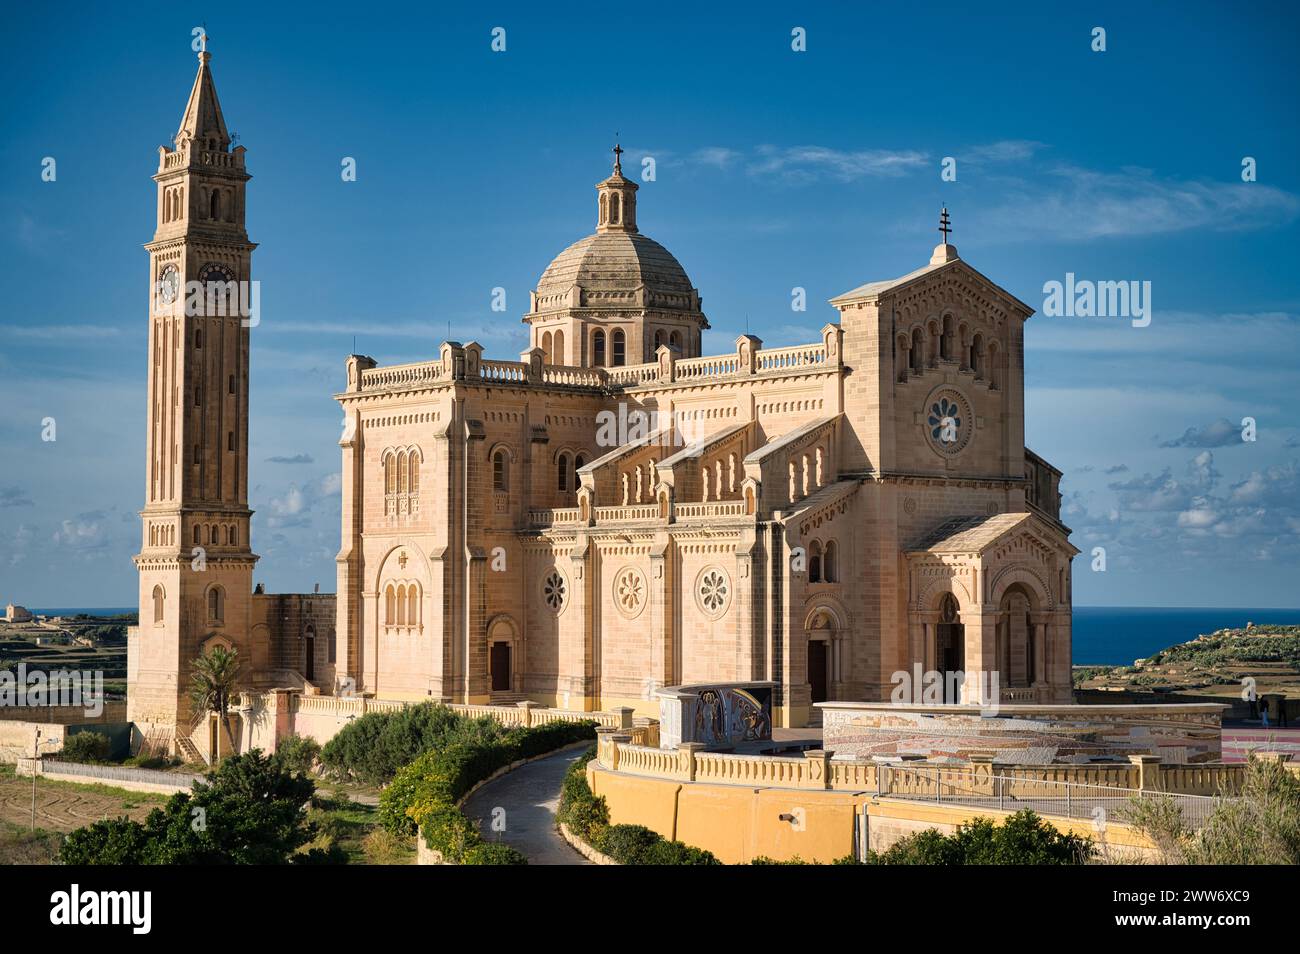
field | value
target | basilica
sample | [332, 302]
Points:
[614, 512]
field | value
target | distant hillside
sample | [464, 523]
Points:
[1214, 664]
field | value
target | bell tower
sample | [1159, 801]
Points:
[195, 561]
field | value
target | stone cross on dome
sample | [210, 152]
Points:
[618, 158]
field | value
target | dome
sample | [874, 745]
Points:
[610, 268]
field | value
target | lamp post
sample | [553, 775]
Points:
[36, 754]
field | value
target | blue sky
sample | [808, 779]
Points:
[775, 169]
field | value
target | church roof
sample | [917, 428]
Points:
[945, 256]
[968, 534]
[618, 263]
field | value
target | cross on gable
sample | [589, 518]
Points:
[401, 560]
[944, 225]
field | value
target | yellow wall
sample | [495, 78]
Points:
[739, 823]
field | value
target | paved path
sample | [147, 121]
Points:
[530, 796]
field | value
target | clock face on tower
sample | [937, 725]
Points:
[215, 272]
[169, 283]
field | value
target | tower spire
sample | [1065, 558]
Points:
[202, 120]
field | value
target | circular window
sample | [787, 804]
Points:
[947, 420]
[630, 590]
[555, 590]
[713, 591]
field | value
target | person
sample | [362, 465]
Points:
[1263, 711]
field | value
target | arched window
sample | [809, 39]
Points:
[198, 338]
[403, 477]
[214, 209]
[562, 476]
[620, 349]
[500, 471]
[659, 340]
[390, 474]
[546, 349]
[945, 339]
[216, 604]
[557, 354]
[159, 599]
[234, 536]
[412, 606]
[401, 606]
[977, 356]
[615, 208]
[814, 562]
[198, 397]
[578, 463]
[598, 349]
[915, 356]
[675, 341]
[829, 569]
[197, 531]
[390, 606]
[413, 467]
[604, 208]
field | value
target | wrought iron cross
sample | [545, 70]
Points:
[944, 225]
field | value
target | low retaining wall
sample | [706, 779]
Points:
[1029, 734]
[115, 776]
[267, 717]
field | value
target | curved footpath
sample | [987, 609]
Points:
[530, 796]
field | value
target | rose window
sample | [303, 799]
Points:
[555, 590]
[713, 591]
[630, 592]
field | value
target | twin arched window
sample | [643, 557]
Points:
[216, 604]
[822, 562]
[598, 349]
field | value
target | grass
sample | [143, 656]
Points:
[355, 828]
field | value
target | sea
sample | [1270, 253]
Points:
[1103, 635]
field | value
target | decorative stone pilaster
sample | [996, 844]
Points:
[624, 714]
[686, 752]
[747, 347]
[818, 766]
[1148, 768]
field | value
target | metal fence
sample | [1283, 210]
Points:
[181, 781]
[1074, 800]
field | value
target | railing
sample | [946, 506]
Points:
[116, 773]
[341, 707]
[723, 508]
[708, 367]
[545, 517]
[632, 374]
[785, 359]
[1093, 803]
[630, 512]
[509, 372]
[740, 770]
[401, 375]
[569, 376]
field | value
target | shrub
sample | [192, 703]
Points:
[492, 853]
[87, 747]
[1022, 839]
[424, 793]
[373, 748]
[382, 847]
[587, 816]
[297, 753]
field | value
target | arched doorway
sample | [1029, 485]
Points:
[501, 644]
[821, 631]
[309, 645]
[950, 647]
[1019, 654]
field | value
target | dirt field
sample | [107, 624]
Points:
[61, 806]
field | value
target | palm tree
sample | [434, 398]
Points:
[213, 682]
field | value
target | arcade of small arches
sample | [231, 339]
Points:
[402, 480]
[947, 339]
[402, 605]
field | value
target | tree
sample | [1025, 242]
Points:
[250, 811]
[1260, 826]
[213, 683]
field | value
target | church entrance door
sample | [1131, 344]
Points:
[500, 663]
[817, 659]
